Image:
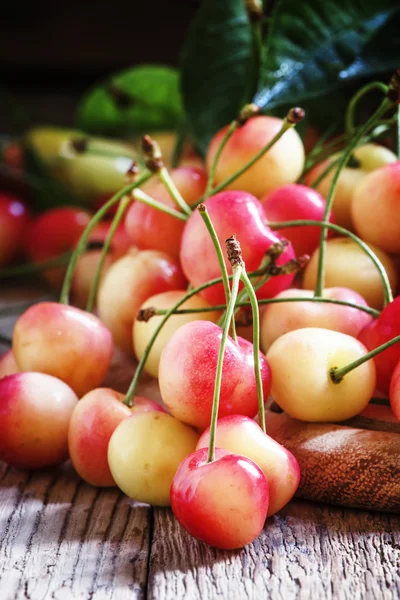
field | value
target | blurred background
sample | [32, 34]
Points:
[52, 51]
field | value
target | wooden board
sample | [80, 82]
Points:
[62, 539]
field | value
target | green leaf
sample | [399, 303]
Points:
[215, 63]
[314, 48]
[141, 99]
[319, 45]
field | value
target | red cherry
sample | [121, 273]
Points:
[295, 201]
[379, 331]
[394, 393]
[14, 220]
[94, 420]
[187, 374]
[224, 502]
[231, 212]
[151, 229]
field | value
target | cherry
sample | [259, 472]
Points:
[35, 410]
[187, 373]
[301, 362]
[144, 454]
[282, 164]
[379, 331]
[8, 366]
[92, 423]
[128, 283]
[14, 222]
[237, 212]
[88, 262]
[242, 435]
[281, 318]
[295, 201]
[143, 331]
[65, 342]
[375, 208]
[394, 393]
[224, 502]
[151, 229]
[347, 265]
[52, 234]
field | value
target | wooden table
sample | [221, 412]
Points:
[62, 539]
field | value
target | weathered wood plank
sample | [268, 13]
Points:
[307, 551]
[63, 539]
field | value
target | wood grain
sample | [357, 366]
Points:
[63, 539]
[307, 551]
[342, 465]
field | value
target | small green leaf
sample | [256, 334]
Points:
[319, 45]
[215, 66]
[142, 99]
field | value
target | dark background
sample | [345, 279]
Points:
[52, 51]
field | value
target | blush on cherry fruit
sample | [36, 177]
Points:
[187, 373]
[14, 223]
[241, 213]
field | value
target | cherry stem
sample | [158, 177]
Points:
[224, 272]
[237, 271]
[173, 191]
[325, 172]
[367, 309]
[285, 126]
[171, 311]
[210, 181]
[141, 196]
[352, 106]
[81, 246]
[329, 201]
[256, 346]
[337, 375]
[123, 205]
[31, 268]
[387, 290]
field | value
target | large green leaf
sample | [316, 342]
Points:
[141, 99]
[319, 45]
[215, 64]
[313, 48]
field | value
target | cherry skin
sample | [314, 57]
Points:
[230, 212]
[394, 393]
[242, 435]
[223, 503]
[380, 331]
[35, 410]
[14, 222]
[151, 229]
[281, 318]
[375, 208]
[128, 283]
[65, 342]
[87, 264]
[295, 201]
[92, 424]
[143, 331]
[282, 164]
[301, 361]
[145, 452]
[8, 365]
[347, 265]
[370, 157]
[187, 375]
[52, 234]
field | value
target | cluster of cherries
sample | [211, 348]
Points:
[209, 456]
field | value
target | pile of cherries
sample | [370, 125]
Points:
[171, 286]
